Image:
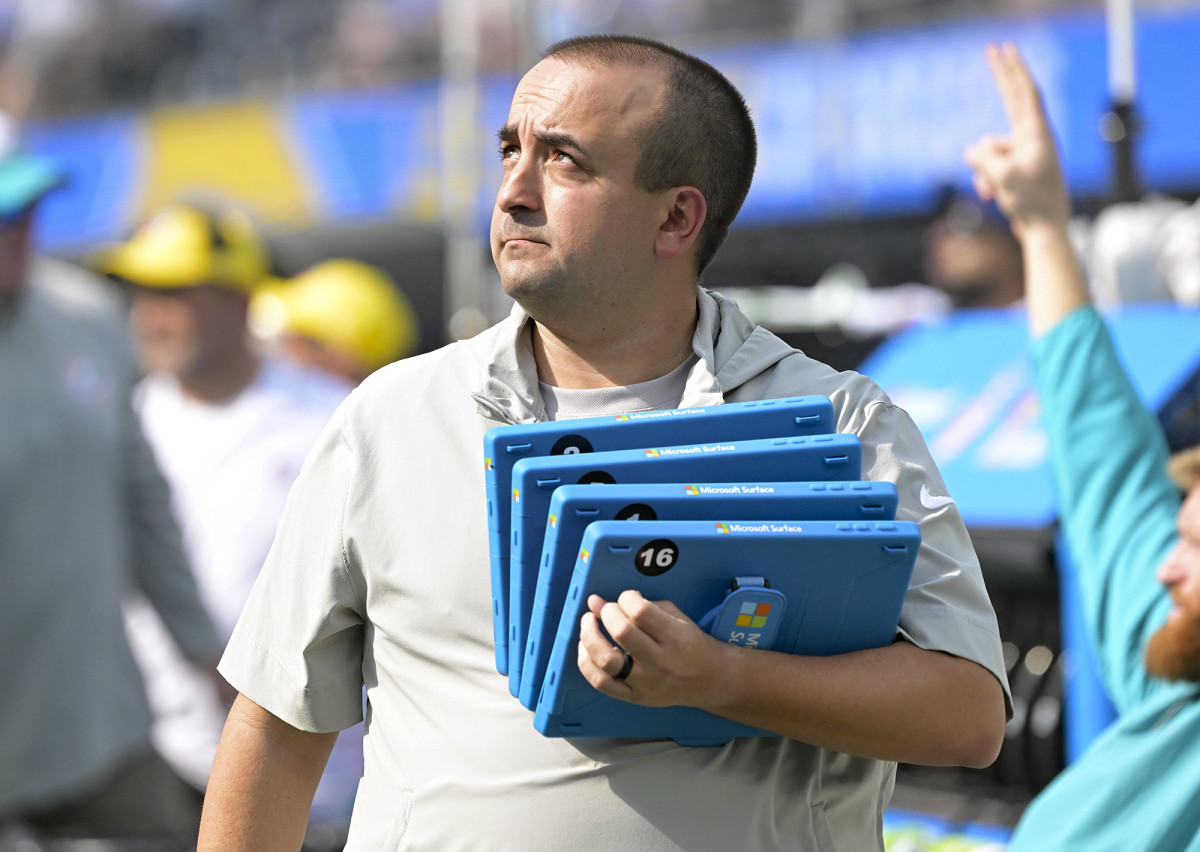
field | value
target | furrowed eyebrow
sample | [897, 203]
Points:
[561, 140]
[508, 134]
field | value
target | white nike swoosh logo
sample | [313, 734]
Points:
[931, 502]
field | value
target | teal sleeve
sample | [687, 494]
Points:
[1117, 505]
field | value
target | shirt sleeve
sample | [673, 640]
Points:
[1117, 505]
[297, 648]
[947, 607]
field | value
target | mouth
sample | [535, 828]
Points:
[516, 235]
[518, 242]
[1180, 608]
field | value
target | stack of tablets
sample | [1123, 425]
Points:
[751, 517]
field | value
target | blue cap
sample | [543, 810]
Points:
[24, 178]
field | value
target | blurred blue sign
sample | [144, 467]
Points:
[968, 385]
[866, 126]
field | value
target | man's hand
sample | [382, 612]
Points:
[674, 661]
[1020, 171]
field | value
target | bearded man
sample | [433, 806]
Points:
[1125, 522]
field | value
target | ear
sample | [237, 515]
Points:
[685, 209]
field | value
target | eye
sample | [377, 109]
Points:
[563, 157]
[508, 151]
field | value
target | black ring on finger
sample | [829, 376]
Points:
[626, 666]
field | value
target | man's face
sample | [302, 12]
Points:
[185, 331]
[14, 259]
[958, 259]
[1174, 651]
[570, 228]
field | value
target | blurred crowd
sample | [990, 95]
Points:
[94, 55]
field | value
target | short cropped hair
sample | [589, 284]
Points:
[701, 135]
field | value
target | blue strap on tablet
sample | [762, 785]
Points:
[749, 616]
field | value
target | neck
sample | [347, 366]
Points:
[614, 357]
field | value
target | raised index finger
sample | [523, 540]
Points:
[1018, 90]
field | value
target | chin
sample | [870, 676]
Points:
[1173, 653]
[531, 292]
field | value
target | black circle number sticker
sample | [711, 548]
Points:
[569, 445]
[637, 512]
[600, 476]
[656, 557]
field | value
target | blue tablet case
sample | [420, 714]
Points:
[844, 584]
[503, 446]
[817, 457]
[574, 507]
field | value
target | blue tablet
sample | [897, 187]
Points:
[838, 587]
[503, 446]
[574, 507]
[818, 457]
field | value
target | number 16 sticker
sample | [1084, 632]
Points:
[656, 557]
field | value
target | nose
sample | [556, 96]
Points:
[1171, 571]
[521, 187]
[150, 311]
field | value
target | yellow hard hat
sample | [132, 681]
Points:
[183, 245]
[347, 305]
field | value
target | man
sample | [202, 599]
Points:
[972, 256]
[229, 427]
[84, 517]
[1135, 788]
[624, 163]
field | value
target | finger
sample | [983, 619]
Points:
[617, 618]
[999, 66]
[1020, 91]
[989, 158]
[596, 603]
[594, 673]
[596, 652]
[983, 187]
[653, 620]
[1026, 93]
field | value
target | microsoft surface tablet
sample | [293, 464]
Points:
[503, 446]
[574, 507]
[534, 480]
[838, 587]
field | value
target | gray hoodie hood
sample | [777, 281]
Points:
[731, 350]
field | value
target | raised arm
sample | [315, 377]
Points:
[1021, 172]
[262, 783]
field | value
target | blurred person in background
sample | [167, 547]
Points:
[340, 315]
[971, 254]
[84, 517]
[1137, 541]
[229, 427]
